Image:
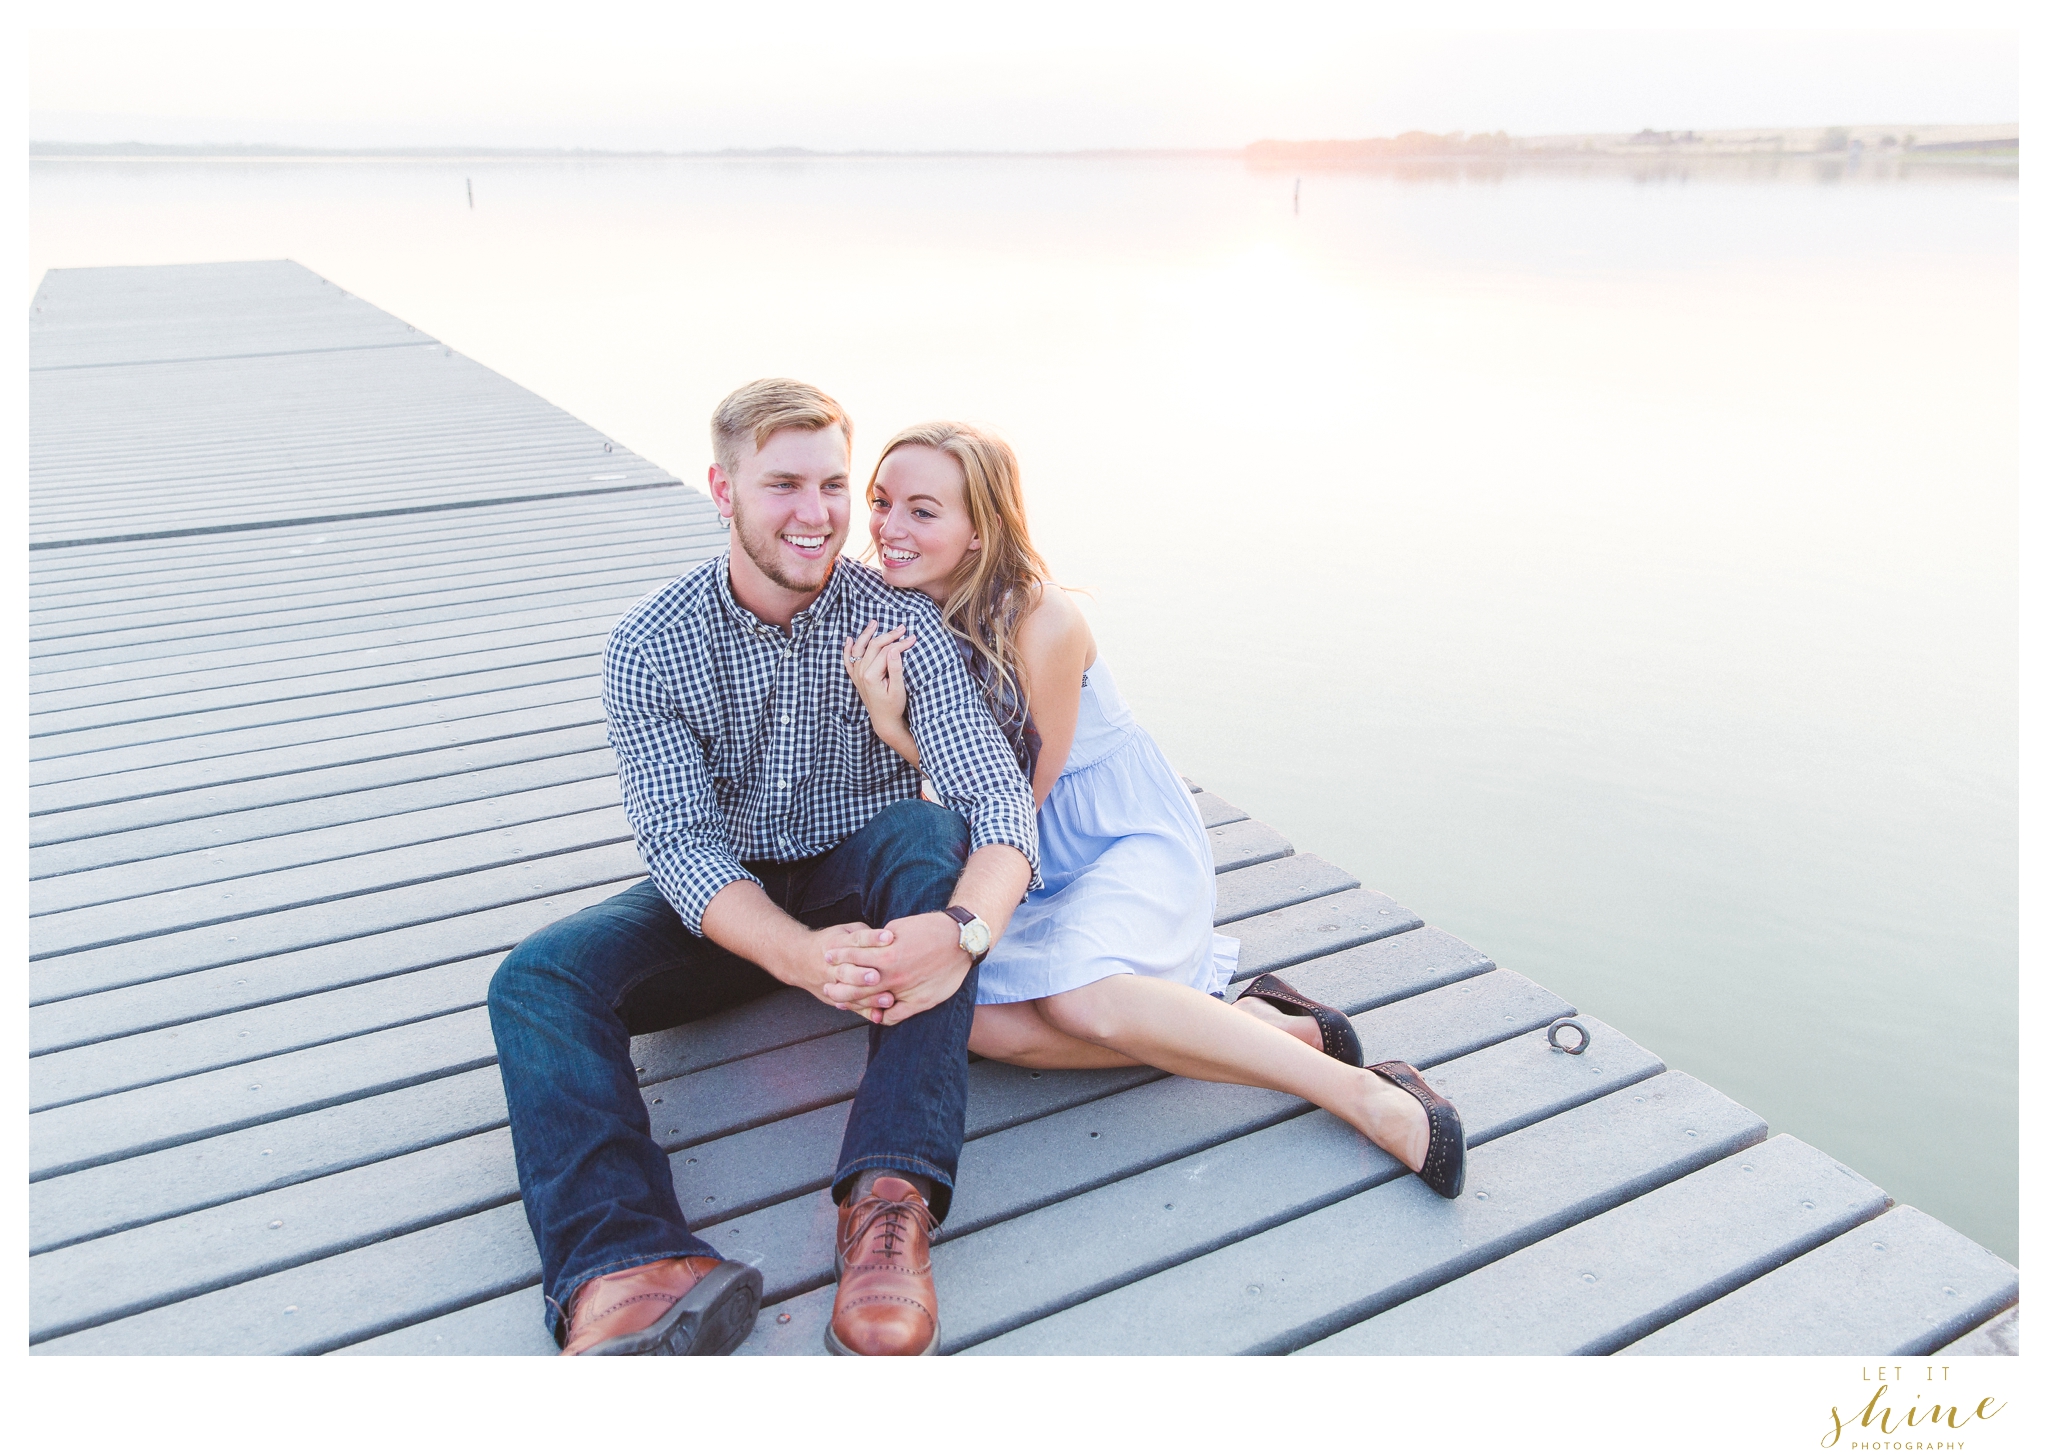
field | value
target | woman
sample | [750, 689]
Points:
[1113, 962]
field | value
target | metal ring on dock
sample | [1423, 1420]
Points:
[1585, 1036]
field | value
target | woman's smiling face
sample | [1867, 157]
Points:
[918, 517]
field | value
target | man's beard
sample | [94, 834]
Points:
[764, 549]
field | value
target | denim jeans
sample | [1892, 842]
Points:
[600, 1194]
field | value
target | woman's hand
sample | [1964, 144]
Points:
[875, 662]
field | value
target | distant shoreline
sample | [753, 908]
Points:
[1993, 141]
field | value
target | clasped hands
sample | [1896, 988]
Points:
[889, 974]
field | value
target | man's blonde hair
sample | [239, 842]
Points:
[753, 412]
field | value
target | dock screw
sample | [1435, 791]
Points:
[782, 1318]
[1095, 1134]
[1589, 1278]
[278, 1224]
[1251, 1288]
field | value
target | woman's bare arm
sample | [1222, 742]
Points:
[1054, 649]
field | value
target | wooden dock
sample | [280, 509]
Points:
[317, 608]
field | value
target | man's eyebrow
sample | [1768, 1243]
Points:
[799, 476]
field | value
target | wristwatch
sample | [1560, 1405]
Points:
[974, 931]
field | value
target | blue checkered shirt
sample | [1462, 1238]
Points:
[738, 742]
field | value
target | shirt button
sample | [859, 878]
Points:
[782, 783]
[785, 719]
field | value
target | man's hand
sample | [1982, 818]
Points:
[919, 966]
[744, 920]
[815, 970]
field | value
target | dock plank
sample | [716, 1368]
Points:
[1277, 1169]
[1902, 1284]
[1278, 1290]
[1613, 1279]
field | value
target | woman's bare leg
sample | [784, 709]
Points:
[1018, 1035]
[1302, 1027]
[1178, 1029]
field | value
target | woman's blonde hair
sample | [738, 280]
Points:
[996, 585]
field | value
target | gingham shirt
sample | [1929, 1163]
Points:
[738, 742]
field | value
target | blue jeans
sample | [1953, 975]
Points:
[599, 1192]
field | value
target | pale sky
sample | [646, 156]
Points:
[1054, 74]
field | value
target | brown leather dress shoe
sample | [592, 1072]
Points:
[675, 1306]
[886, 1303]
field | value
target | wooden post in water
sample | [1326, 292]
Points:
[471, 191]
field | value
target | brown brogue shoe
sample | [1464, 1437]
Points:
[674, 1306]
[886, 1303]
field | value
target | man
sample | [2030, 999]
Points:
[785, 846]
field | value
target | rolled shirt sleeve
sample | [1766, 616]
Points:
[666, 785]
[963, 752]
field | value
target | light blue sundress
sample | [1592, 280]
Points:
[1130, 884]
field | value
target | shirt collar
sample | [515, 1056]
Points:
[799, 625]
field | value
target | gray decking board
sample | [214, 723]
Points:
[218, 861]
[424, 771]
[314, 586]
[105, 700]
[347, 550]
[262, 658]
[301, 785]
[1997, 1336]
[84, 316]
[324, 884]
[444, 910]
[1280, 1289]
[238, 439]
[1284, 1166]
[1901, 1284]
[1615, 1278]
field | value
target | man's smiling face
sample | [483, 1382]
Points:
[788, 502]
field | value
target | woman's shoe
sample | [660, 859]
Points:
[1443, 1166]
[1339, 1040]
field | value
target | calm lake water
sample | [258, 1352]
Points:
[1617, 570]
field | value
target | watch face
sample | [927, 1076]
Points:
[974, 938]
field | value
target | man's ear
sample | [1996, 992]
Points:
[721, 492]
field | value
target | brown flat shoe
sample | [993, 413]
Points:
[1340, 1042]
[886, 1303]
[1443, 1165]
[675, 1306]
